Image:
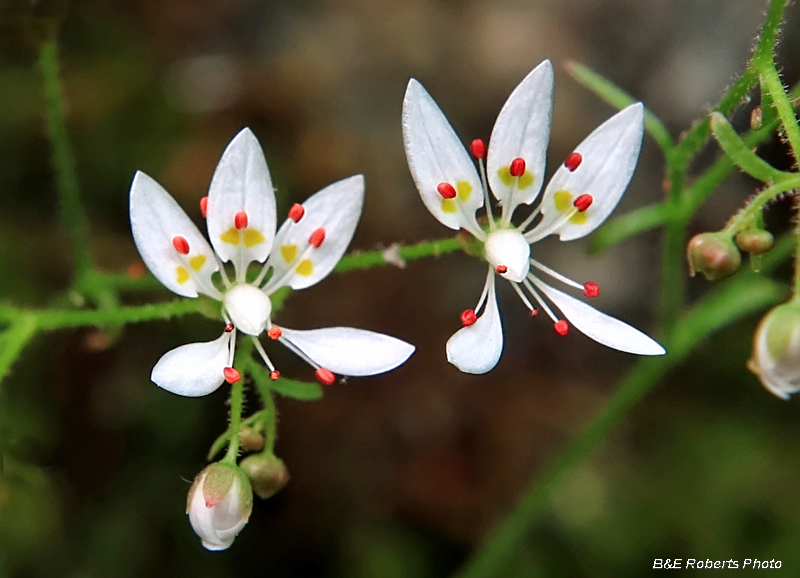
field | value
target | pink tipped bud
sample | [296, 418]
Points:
[231, 375]
[755, 241]
[478, 149]
[296, 212]
[573, 161]
[583, 202]
[714, 255]
[446, 190]
[591, 290]
[517, 168]
[219, 505]
[468, 317]
[561, 327]
[325, 376]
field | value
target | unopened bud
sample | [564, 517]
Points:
[755, 241]
[268, 474]
[776, 350]
[714, 255]
[756, 118]
[250, 440]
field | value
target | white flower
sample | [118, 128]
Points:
[581, 194]
[240, 213]
[219, 505]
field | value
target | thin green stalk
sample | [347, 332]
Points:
[777, 92]
[372, 259]
[753, 209]
[63, 161]
[243, 354]
[16, 338]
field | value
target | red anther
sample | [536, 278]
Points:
[231, 375]
[468, 317]
[325, 376]
[591, 289]
[573, 161]
[517, 168]
[240, 220]
[478, 149]
[583, 202]
[500, 269]
[534, 312]
[561, 327]
[317, 237]
[446, 190]
[229, 328]
[204, 206]
[136, 270]
[274, 332]
[296, 212]
[181, 245]
[273, 375]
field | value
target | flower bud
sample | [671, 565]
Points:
[250, 440]
[219, 505]
[268, 474]
[776, 350]
[714, 255]
[755, 241]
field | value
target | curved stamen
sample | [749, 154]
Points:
[297, 351]
[542, 303]
[265, 357]
[525, 300]
[557, 275]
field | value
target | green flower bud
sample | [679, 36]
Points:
[250, 440]
[755, 241]
[714, 255]
[268, 474]
[776, 350]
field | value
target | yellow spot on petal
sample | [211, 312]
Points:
[231, 236]
[464, 190]
[252, 237]
[505, 175]
[305, 268]
[579, 218]
[288, 252]
[448, 206]
[562, 200]
[525, 181]
[183, 275]
[197, 262]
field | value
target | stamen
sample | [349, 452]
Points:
[527, 303]
[317, 237]
[263, 354]
[240, 220]
[296, 212]
[500, 269]
[274, 332]
[181, 245]
[478, 149]
[325, 376]
[204, 206]
[229, 328]
[534, 312]
[591, 290]
[273, 375]
[517, 168]
[573, 161]
[538, 298]
[468, 317]
[583, 202]
[486, 201]
[561, 327]
[297, 351]
[557, 275]
[231, 375]
[446, 190]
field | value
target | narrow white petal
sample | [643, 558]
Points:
[156, 219]
[477, 348]
[522, 131]
[609, 157]
[349, 351]
[436, 155]
[194, 369]
[335, 210]
[242, 184]
[599, 326]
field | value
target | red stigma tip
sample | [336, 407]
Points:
[573, 161]
[325, 376]
[273, 375]
[229, 328]
[296, 212]
[204, 206]
[591, 289]
[317, 237]
[534, 312]
[231, 375]
[517, 168]
[500, 269]
[446, 190]
[181, 245]
[274, 332]
[240, 220]
[561, 327]
[583, 202]
[478, 149]
[468, 317]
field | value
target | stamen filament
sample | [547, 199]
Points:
[539, 298]
[523, 297]
[556, 275]
[294, 349]
[535, 213]
[486, 199]
[263, 354]
[231, 347]
[489, 282]
[540, 233]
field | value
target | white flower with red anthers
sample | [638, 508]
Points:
[581, 194]
[241, 219]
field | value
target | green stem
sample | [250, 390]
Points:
[243, 354]
[752, 210]
[17, 337]
[372, 259]
[63, 161]
[785, 110]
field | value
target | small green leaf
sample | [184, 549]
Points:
[301, 390]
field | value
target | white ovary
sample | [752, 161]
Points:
[508, 248]
[248, 307]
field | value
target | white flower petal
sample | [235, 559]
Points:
[609, 158]
[522, 131]
[218, 525]
[599, 326]
[349, 351]
[477, 348]
[194, 369]
[335, 210]
[436, 155]
[157, 220]
[242, 184]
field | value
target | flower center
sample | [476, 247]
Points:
[509, 253]
[248, 307]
